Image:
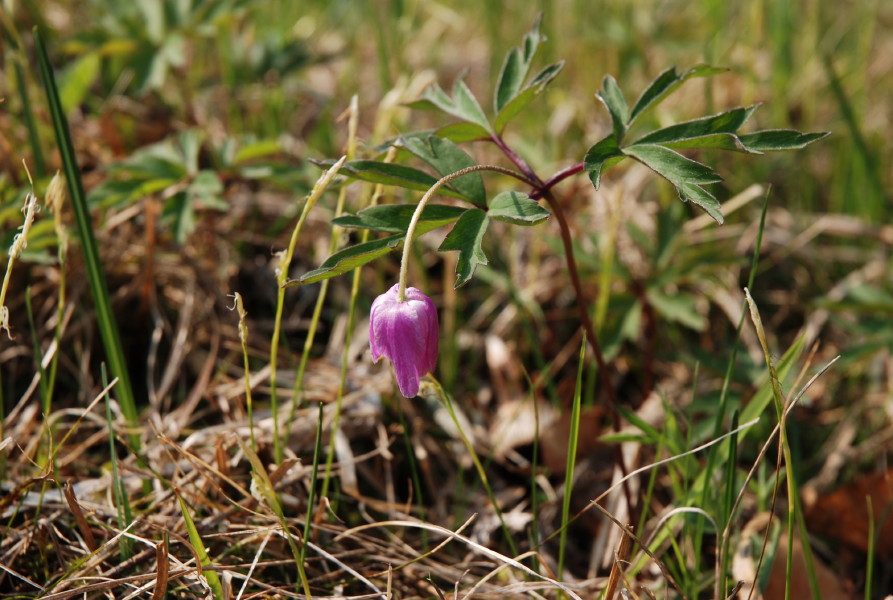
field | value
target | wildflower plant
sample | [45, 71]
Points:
[459, 176]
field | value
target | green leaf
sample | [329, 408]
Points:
[511, 78]
[207, 188]
[773, 140]
[516, 66]
[664, 84]
[466, 237]
[689, 192]
[463, 132]
[686, 174]
[395, 218]
[348, 259]
[180, 210]
[75, 82]
[467, 104]
[256, 149]
[516, 208]
[521, 100]
[388, 174]
[463, 104]
[705, 127]
[601, 156]
[356, 256]
[613, 99]
[678, 307]
[151, 165]
[446, 158]
[190, 142]
[672, 165]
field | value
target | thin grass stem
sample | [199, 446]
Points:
[281, 278]
[482, 473]
[572, 442]
[108, 327]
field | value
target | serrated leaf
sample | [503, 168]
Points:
[516, 66]
[389, 174]
[689, 131]
[521, 100]
[463, 104]
[466, 237]
[720, 141]
[395, 218]
[511, 78]
[601, 156]
[773, 140]
[664, 84]
[434, 98]
[348, 259]
[613, 99]
[689, 192]
[468, 106]
[446, 158]
[516, 208]
[672, 165]
[352, 257]
[463, 132]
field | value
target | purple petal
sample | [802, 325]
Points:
[406, 333]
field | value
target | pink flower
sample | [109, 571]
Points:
[407, 333]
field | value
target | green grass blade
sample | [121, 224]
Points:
[196, 540]
[311, 500]
[122, 502]
[571, 459]
[869, 559]
[108, 328]
[33, 138]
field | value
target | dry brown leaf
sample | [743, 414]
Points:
[843, 514]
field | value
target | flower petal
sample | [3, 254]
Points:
[406, 333]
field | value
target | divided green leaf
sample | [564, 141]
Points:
[389, 174]
[688, 133]
[656, 149]
[348, 259]
[672, 165]
[516, 66]
[466, 237]
[665, 83]
[601, 156]
[525, 96]
[463, 104]
[614, 101]
[446, 157]
[775, 140]
[463, 132]
[385, 218]
[516, 208]
[395, 218]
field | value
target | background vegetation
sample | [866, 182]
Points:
[194, 125]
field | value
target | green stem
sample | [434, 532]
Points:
[108, 327]
[282, 278]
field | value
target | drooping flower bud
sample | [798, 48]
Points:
[406, 333]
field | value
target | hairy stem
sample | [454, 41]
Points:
[416, 216]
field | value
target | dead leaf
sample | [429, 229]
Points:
[843, 514]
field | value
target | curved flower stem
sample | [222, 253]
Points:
[416, 216]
